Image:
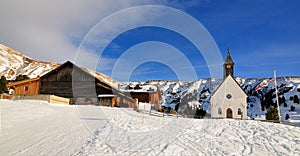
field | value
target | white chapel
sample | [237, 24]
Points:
[229, 100]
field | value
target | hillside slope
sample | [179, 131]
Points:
[13, 63]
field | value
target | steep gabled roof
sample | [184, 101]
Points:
[82, 69]
[224, 81]
[22, 82]
[57, 68]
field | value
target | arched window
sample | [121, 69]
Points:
[239, 111]
[219, 111]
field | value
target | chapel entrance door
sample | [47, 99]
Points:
[228, 113]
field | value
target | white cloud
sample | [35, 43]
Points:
[52, 30]
[45, 29]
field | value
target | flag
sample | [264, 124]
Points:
[264, 83]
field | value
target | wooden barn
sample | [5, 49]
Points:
[80, 85]
[25, 87]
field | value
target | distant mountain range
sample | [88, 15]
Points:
[196, 94]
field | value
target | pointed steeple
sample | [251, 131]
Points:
[228, 58]
[228, 65]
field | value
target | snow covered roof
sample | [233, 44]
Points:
[139, 88]
[106, 95]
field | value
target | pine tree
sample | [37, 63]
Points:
[287, 116]
[283, 99]
[272, 114]
[3, 83]
[296, 99]
[292, 108]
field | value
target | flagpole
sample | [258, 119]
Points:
[276, 92]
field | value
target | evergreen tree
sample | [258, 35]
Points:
[292, 108]
[200, 113]
[3, 83]
[296, 99]
[283, 99]
[287, 116]
[272, 114]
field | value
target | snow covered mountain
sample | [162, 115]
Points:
[197, 94]
[13, 63]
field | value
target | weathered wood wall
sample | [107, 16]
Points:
[148, 97]
[20, 88]
[69, 81]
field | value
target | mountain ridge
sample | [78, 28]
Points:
[14, 63]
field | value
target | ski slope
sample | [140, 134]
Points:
[39, 128]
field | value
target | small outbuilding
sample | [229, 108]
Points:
[25, 87]
[145, 93]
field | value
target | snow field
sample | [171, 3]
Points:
[123, 134]
[39, 128]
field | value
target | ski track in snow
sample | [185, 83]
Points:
[172, 136]
[39, 128]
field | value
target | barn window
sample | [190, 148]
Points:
[219, 111]
[26, 88]
[239, 111]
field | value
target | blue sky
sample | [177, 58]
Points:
[263, 35]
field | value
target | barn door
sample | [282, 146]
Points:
[229, 113]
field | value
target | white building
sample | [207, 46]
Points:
[229, 100]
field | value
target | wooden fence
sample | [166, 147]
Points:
[50, 98]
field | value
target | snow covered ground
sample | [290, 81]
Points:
[39, 128]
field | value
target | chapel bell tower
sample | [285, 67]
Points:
[228, 65]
